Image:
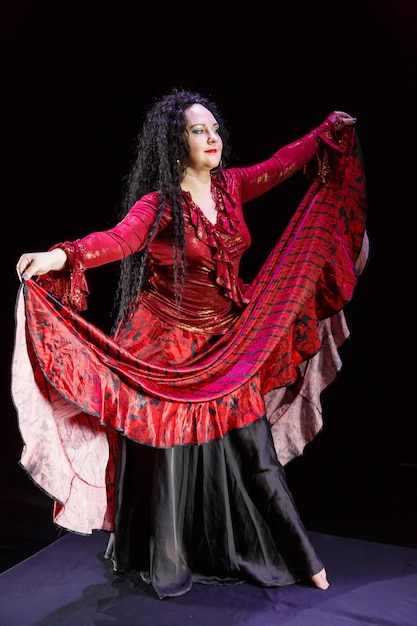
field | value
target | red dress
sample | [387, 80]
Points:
[206, 395]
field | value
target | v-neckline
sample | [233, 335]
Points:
[195, 206]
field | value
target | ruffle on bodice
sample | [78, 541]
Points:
[219, 236]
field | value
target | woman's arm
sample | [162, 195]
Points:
[291, 158]
[296, 155]
[95, 249]
[61, 270]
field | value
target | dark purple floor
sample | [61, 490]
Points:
[69, 582]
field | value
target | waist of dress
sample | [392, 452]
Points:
[200, 315]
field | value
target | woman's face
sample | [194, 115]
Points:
[203, 138]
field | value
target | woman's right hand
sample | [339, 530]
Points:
[37, 263]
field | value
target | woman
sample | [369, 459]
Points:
[167, 434]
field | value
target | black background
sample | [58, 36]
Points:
[76, 78]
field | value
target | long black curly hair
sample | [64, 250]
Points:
[160, 148]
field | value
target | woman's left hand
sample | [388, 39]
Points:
[340, 119]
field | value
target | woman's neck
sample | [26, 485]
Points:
[197, 181]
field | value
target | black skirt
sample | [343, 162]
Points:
[219, 512]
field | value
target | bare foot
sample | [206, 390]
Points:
[320, 580]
